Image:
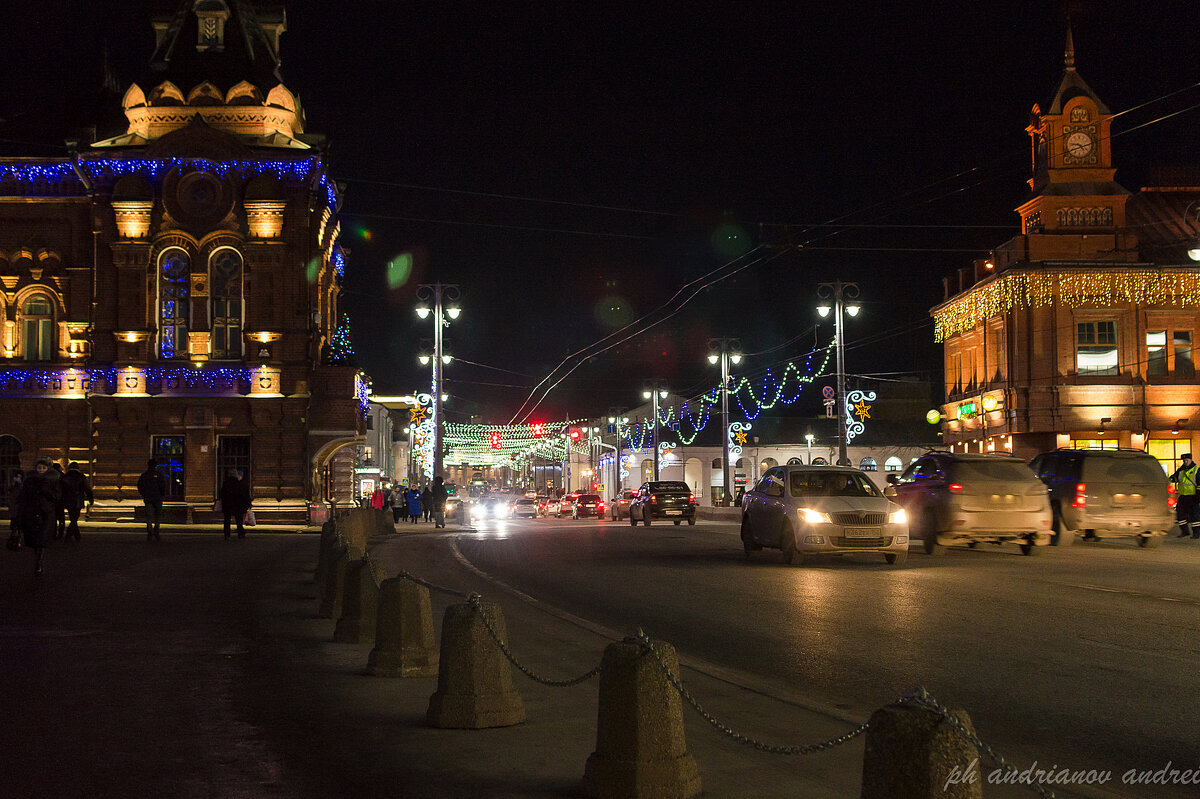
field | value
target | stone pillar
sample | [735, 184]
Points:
[360, 600]
[475, 687]
[335, 579]
[404, 645]
[640, 745]
[914, 753]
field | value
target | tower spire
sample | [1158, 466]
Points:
[1069, 54]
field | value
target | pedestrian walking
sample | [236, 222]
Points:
[414, 505]
[235, 501]
[439, 502]
[398, 500]
[14, 491]
[427, 503]
[75, 494]
[36, 506]
[60, 508]
[1187, 512]
[377, 499]
[153, 488]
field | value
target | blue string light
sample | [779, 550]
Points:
[106, 378]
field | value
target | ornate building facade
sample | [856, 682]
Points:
[171, 292]
[1079, 332]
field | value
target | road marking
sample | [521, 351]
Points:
[1130, 592]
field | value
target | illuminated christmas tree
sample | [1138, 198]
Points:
[340, 348]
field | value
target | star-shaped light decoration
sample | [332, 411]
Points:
[416, 415]
[862, 410]
[740, 437]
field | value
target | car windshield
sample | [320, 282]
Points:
[524, 501]
[669, 485]
[831, 484]
[589, 498]
[1131, 470]
[1013, 471]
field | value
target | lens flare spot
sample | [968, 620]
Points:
[399, 270]
[364, 232]
[613, 311]
[730, 241]
[314, 269]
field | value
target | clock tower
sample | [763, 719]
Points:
[1073, 190]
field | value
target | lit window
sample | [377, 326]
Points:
[1096, 349]
[892, 464]
[868, 465]
[37, 331]
[1156, 352]
[1182, 341]
[225, 285]
[173, 304]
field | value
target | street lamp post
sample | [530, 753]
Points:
[839, 292]
[726, 351]
[616, 422]
[808, 437]
[438, 292]
[653, 393]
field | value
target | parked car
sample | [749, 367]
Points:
[822, 510]
[1106, 493]
[588, 505]
[663, 499]
[960, 498]
[523, 506]
[566, 505]
[619, 505]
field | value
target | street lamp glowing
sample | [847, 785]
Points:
[662, 395]
[453, 311]
[424, 359]
[423, 311]
[853, 309]
[713, 357]
[647, 394]
[735, 358]
[823, 310]
[446, 359]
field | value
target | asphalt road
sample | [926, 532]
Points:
[1080, 658]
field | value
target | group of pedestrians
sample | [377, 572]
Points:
[45, 503]
[414, 503]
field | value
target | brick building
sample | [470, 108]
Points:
[172, 291]
[1079, 332]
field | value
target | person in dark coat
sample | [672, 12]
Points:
[153, 488]
[439, 502]
[14, 491]
[427, 503]
[398, 500]
[235, 501]
[414, 505]
[60, 508]
[75, 494]
[36, 506]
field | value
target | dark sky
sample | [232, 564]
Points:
[558, 159]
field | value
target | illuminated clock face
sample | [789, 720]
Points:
[1079, 145]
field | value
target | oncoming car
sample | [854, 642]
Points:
[822, 510]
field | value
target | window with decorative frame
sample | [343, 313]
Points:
[225, 290]
[1096, 350]
[174, 303]
[37, 328]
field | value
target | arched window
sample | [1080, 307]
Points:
[716, 463]
[868, 465]
[37, 328]
[820, 462]
[794, 462]
[173, 304]
[225, 287]
[893, 464]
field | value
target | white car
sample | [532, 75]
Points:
[822, 510]
[523, 506]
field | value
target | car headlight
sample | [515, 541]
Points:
[898, 516]
[813, 517]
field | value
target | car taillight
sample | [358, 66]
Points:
[692, 499]
[1080, 500]
[654, 499]
[955, 487]
[600, 505]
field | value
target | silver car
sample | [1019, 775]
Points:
[822, 510]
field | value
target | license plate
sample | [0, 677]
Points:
[674, 513]
[861, 532]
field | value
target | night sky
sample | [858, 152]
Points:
[572, 166]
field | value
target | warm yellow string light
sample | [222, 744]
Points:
[1072, 289]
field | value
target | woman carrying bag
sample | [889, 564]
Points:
[235, 502]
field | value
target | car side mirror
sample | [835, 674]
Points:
[893, 479]
[890, 492]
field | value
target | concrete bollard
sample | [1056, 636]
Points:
[328, 544]
[640, 745]
[360, 600]
[475, 687]
[404, 644]
[914, 753]
[335, 579]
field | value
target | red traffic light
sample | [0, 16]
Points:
[495, 439]
[538, 429]
[575, 435]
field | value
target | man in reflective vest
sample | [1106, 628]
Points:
[1186, 506]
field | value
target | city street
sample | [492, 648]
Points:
[1082, 657]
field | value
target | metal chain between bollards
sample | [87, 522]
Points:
[921, 698]
[431, 586]
[802, 749]
[475, 601]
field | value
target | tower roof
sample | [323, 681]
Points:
[220, 41]
[1071, 85]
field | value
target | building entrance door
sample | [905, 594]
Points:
[168, 451]
[10, 467]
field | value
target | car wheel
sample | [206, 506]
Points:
[787, 544]
[645, 519]
[929, 538]
[1150, 541]
[691, 521]
[632, 521]
[677, 522]
[1062, 537]
[748, 543]
[896, 558]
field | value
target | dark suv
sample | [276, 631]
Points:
[960, 498]
[588, 505]
[663, 499]
[1105, 493]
